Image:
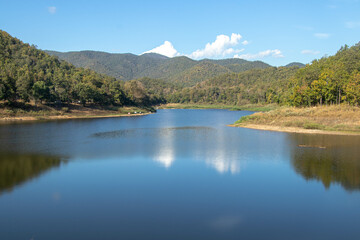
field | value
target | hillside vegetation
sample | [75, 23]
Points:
[329, 80]
[180, 70]
[329, 88]
[253, 86]
[27, 73]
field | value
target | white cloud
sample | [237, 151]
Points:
[52, 10]
[276, 53]
[222, 46]
[352, 24]
[322, 35]
[166, 49]
[310, 52]
[245, 42]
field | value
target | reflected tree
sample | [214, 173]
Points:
[329, 159]
[16, 169]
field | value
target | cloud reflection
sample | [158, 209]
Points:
[223, 165]
[221, 157]
[201, 143]
[165, 157]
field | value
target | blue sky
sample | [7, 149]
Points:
[276, 32]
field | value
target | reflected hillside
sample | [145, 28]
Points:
[16, 169]
[329, 159]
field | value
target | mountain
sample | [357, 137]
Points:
[169, 69]
[182, 70]
[121, 66]
[200, 72]
[239, 65]
[300, 65]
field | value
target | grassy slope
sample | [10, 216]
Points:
[343, 118]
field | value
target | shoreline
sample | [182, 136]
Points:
[292, 129]
[247, 107]
[6, 120]
[331, 120]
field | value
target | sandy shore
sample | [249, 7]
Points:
[291, 129]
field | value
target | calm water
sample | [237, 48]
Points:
[177, 174]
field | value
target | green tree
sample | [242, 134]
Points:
[84, 92]
[117, 92]
[352, 89]
[41, 91]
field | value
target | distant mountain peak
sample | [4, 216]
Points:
[298, 64]
[155, 55]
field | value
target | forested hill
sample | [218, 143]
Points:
[121, 66]
[300, 65]
[27, 73]
[329, 80]
[268, 85]
[181, 70]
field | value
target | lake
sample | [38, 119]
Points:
[176, 174]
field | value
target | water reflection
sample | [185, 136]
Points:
[165, 154]
[157, 175]
[165, 145]
[327, 158]
[16, 169]
[153, 132]
[222, 156]
[223, 165]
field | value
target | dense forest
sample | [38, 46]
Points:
[329, 80]
[253, 86]
[27, 73]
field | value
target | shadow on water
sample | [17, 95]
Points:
[150, 131]
[327, 158]
[16, 169]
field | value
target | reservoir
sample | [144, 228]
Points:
[176, 174]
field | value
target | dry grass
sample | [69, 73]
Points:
[328, 118]
[31, 112]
